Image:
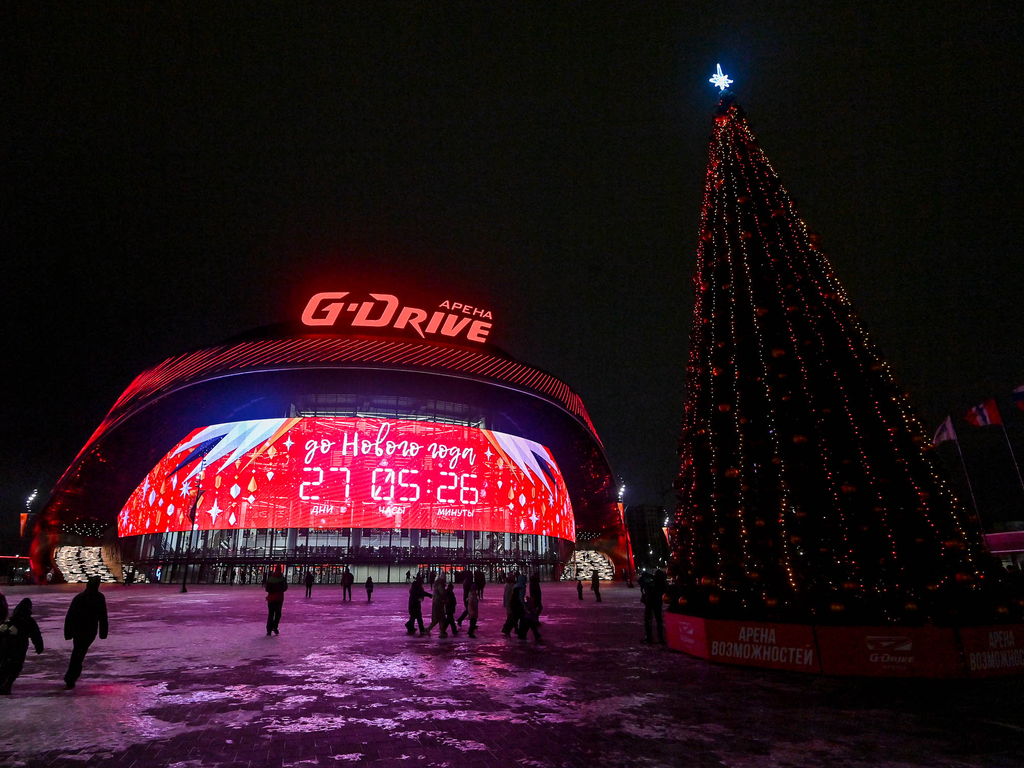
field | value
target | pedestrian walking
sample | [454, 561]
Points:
[416, 595]
[407, 575]
[653, 598]
[15, 634]
[347, 579]
[473, 606]
[309, 583]
[369, 588]
[535, 595]
[595, 585]
[276, 586]
[528, 622]
[579, 588]
[506, 602]
[480, 580]
[437, 603]
[467, 585]
[451, 604]
[86, 614]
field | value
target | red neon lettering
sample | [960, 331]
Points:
[435, 322]
[332, 310]
[363, 315]
[452, 328]
[478, 331]
[413, 317]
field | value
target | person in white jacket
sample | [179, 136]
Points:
[437, 603]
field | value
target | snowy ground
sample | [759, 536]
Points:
[192, 680]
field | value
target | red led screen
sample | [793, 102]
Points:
[320, 472]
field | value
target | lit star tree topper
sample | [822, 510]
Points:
[720, 80]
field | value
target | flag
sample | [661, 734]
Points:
[944, 432]
[1018, 396]
[984, 415]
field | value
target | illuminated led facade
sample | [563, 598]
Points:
[376, 435]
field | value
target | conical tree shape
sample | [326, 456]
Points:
[808, 489]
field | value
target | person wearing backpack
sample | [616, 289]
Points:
[15, 634]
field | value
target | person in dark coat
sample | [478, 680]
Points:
[416, 595]
[480, 580]
[654, 595]
[369, 588]
[3, 607]
[579, 588]
[276, 586]
[15, 634]
[535, 595]
[595, 585]
[516, 607]
[87, 613]
[467, 585]
[473, 606]
[347, 579]
[451, 605]
[309, 583]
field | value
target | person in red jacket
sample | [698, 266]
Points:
[88, 611]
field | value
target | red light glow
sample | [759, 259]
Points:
[321, 472]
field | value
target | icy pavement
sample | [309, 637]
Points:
[192, 680]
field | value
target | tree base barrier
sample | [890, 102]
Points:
[931, 652]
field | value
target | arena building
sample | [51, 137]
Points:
[371, 434]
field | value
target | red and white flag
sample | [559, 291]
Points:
[944, 432]
[985, 415]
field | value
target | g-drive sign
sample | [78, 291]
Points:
[451, 319]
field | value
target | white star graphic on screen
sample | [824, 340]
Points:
[185, 488]
[145, 486]
[719, 79]
[534, 518]
[289, 442]
[488, 453]
[214, 511]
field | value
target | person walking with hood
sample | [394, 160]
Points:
[437, 604]
[467, 584]
[480, 580]
[535, 594]
[451, 604]
[277, 585]
[86, 614]
[15, 634]
[654, 596]
[473, 606]
[517, 608]
[309, 583]
[416, 595]
[595, 585]
[347, 580]
[369, 588]
[506, 602]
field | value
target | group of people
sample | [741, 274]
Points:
[86, 617]
[444, 604]
[347, 580]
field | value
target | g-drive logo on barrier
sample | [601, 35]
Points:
[451, 319]
[891, 650]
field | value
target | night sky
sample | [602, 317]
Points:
[172, 176]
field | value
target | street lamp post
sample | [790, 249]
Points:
[192, 523]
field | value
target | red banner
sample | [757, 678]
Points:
[890, 651]
[758, 644]
[352, 473]
[993, 651]
[686, 634]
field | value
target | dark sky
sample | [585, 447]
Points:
[172, 176]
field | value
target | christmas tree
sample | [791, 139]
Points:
[808, 490]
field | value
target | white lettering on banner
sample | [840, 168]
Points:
[803, 657]
[1001, 638]
[451, 319]
[1001, 659]
[758, 644]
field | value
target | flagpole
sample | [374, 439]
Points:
[970, 488]
[1013, 456]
